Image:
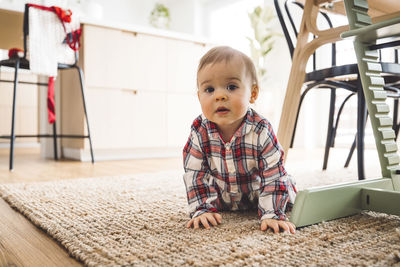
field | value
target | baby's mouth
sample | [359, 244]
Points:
[222, 110]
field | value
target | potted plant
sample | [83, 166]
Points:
[160, 16]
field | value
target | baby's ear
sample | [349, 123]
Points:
[254, 93]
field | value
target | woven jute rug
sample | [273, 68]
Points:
[140, 220]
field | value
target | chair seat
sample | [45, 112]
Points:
[24, 64]
[331, 72]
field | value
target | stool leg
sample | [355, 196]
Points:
[84, 109]
[12, 137]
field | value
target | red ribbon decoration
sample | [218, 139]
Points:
[51, 107]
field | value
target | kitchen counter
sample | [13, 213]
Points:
[16, 10]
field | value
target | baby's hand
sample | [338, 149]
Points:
[204, 219]
[275, 225]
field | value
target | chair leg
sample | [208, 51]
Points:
[297, 114]
[395, 117]
[84, 109]
[361, 120]
[330, 128]
[353, 146]
[12, 136]
[55, 140]
[336, 125]
[350, 155]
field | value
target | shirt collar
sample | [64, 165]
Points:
[243, 129]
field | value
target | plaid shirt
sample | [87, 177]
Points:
[245, 173]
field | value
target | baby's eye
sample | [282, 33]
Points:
[231, 87]
[209, 90]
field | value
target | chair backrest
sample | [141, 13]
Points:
[26, 34]
[290, 28]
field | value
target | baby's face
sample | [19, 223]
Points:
[225, 92]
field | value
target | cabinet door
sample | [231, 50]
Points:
[109, 120]
[182, 110]
[150, 64]
[150, 119]
[104, 58]
[123, 119]
[183, 59]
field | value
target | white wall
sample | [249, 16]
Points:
[184, 13]
[127, 11]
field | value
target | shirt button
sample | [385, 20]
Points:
[228, 148]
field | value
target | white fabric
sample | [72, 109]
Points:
[45, 46]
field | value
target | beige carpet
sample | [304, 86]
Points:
[139, 220]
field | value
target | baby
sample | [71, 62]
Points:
[232, 159]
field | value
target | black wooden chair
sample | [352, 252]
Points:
[18, 62]
[332, 78]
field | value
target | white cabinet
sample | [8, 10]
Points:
[125, 119]
[141, 90]
[150, 119]
[103, 57]
[121, 59]
[149, 68]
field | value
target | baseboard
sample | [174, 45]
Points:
[20, 145]
[121, 154]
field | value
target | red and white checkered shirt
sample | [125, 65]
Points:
[245, 173]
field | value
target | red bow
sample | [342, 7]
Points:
[64, 15]
[73, 39]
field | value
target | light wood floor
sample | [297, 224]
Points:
[23, 244]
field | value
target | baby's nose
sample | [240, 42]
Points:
[220, 96]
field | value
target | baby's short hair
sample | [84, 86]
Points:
[226, 53]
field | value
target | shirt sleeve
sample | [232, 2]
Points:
[276, 186]
[198, 180]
